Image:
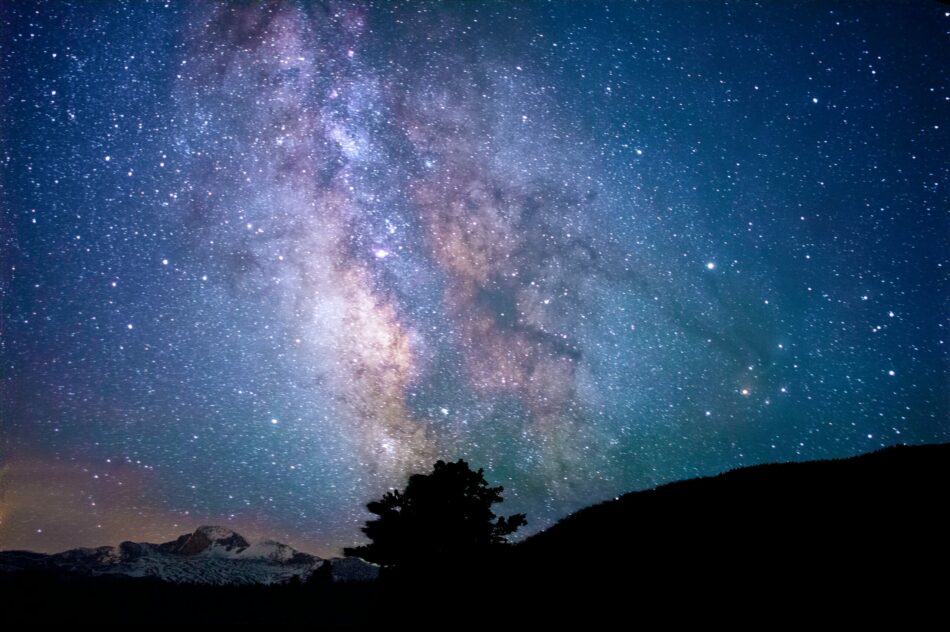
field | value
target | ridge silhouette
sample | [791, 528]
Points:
[837, 539]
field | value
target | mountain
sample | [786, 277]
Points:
[821, 541]
[832, 506]
[210, 555]
[789, 535]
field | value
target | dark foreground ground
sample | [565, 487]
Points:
[864, 539]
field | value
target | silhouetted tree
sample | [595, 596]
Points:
[442, 515]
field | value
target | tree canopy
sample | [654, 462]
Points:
[444, 514]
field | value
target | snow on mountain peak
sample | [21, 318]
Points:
[215, 533]
[209, 555]
[204, 539]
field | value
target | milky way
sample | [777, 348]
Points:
[263, 261]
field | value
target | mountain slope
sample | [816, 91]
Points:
[854, 517]
[821, 541]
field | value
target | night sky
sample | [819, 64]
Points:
[260, 263]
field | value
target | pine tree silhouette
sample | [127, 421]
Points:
[442, 515]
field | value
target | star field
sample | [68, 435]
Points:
[263, 261]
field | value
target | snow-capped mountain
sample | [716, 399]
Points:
[210, 555]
